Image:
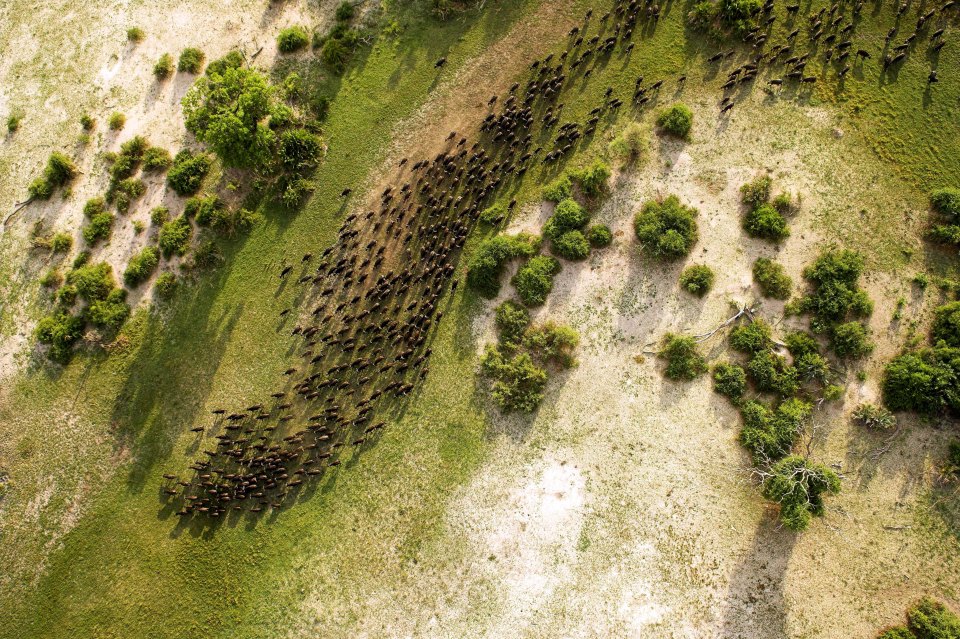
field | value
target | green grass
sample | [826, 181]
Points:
[126, 569]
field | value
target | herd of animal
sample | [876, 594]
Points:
[370, 301]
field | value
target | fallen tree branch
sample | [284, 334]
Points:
[16, 209]
[744, 310]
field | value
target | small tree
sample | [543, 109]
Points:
[518, 383]
[599, 236]
[676, 120]
[292, 39]
[666, 229]
[799, 486]
[766, 222]
[684, 361]
[772, 279]
[697, 279]
[946, 325]
[191, 60]
[512, 320]
[534, 280]
[730, 380]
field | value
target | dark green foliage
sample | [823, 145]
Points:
[61, 243]
[345, 12]
[770, 435]
[338, 46]
[60, 171]
[233, 60]
[599, 236]
[93, 281]
[187, 173]
[772, 279]
[300, 150]
[851, 340]
[206, 255]
[592, 180]
[292, 39]
[487, 264]
[552, 343]
[756, 193]
[191, 60]
[518, 383]
[59, 331]
[159, 215]
[684, 361]
[534, 280]
[126, 191]
[51, 279]
[946, 325]
[677, 120]
[567, 216]
[945, 234]
[836, 295]
[135, 34]
[174, 237]
[512, 320]
[67, 295]
[110, 312]
[697, 279]
[771, 373]
[799, 485]
[946, 202]
[141, 266]
[493, 214]
[558, 190]
[82, 258]
[572, 245]
[897, 632]
[926, 381]
[87, 123]
[666, 229]
[766, 222]
[203, 209]
[13, 123]
[730, 380]
[99, 228]
[163, 68]
[156, 159]
[753, 337]
[812, 367]
[165, 285]
[801, 343]
[930, 619]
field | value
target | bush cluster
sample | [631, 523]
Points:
[684, 361]
[599, 236]
[946, 203]
[729, 380]
[766, 222]
[116, 121]
[534, 279]
[337, 47]
[837, 300]
[924, 381]
[163, 68]
[518, 383]
[191, 60]
[927, 619]
[156, 159]
[874, 417]
[552, 343]
[799, 485]
[98, 228]
[592, 180]
[59, 171]
[563, 229]
[676, 120]
[666, 229]
[292, 39]
[187, 172]
[59, 331]
[946, 325]
[174, 237]
[772, 279]
[488, 262]
[141, 266]
[165, 285]
[512, 320]
[697, 279]
[558, 190]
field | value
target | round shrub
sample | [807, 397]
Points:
[493, 215]
[300, 150]
[697, 279]
[752, 337]
[558, 190]
[599, 236]
[87, 123]
[345, 12]
[799, 485]
[156, 159]
[572, 245]
[92, 281]
[187, 173]
[927, 381]
[766, 222]
[851, 340]
[512, 320]
[946, 325]
[163, 68]
[174, 237]
[772, 279]
[292, 39]
[874, 417]
[159, 215]
[59, 171]
[666, 229]
[800, 343]
[99, 228]
[116, 121]
[518, 382]
[593, 179]
[677, 120]
[191, 60]
[111, 312]
[684, 361]
[946, 202]
[135, 34]
[534, 280]
[771, 373]
[487, 263]
[335, 54]
[141, 266]
[730, 380]
[756, 192]
[567, 216]
[59, 331]
[632, 145]
[165, 285]
[812, 367]
[551, 342]
[61, 243]
[67, 295]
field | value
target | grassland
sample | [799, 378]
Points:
[87, 548]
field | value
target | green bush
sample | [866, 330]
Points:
[799, 485]
[753, 337]
[946, 325]
[772, 279]
[493, 214]
[697, 279]
[487, 263]
[61, 243]
[93, 281]
[157, 159]
[159, 215]
[730, 380]
[187, 173]
[684, 361]
[174, 237]
[59, 331]
[141, 266]
[292, 39]
[771, 373]
[163, 68]
[766, 222]
[676, 120]
[191, 60]
[836, 295]
[87, 123]
[13, 122]
[99, 228]
[111, 312]
[126, 191]
[558, 190]
[851, 340]
[567, 216]
[512, 320]
[518, 383]
[572, 245]
[666, 229]
[165, 285]
[800, 343]
[135, 34]
[930, 619]
[945, 234]
[82, 258]
[770, 435]
[67, 295]
[599, 236]
[203, 209]
[117, 121]
[51, 279]
[632, 145]
[345, 12]
[592, 180]
[534, 280]
[756, 193]
[335, 54]
[812, 367]
[232, 60]
[551, 342]
[300, 150]
[59, 171]
[874, 417]
[926, 381]
[946, 202]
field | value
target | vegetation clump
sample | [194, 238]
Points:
[165, 285]
[116, 121]
[156, 159]
[59, 171]
[874, 417]
[187, 172]
[946, 325]
[684, 361]
[512, 320]
[191, 60]
[599, 236]
[163, 68]
[563, 229]
[141, 266]
[292, 39]
[837, 301]
[592, 180]
[697, 279]
[766, 222]
[924, 381]
[174, 237]
[558, 190]
[676, 120]
[518, 383]
[488, 262]
[59, 331]
[772, 279]
[946, 203]
[799, 485]
[552, 343]
[729, 380]
[98, 228]
[666, 229]
[135, 34]
[534, 280]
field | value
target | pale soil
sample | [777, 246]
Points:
[625, 506]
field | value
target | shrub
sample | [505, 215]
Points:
[756, 193]
[945, 234]
[592, 180]
[812, 367]
[61, 243]
[51, 279]
[836, 293]
[772, 279]
[697, 279]
[926, 381]
[81, 259]
[676, 120]
[59, 331]
[187, 173]
[87, 123]
[141, 266]
[165, 285]
[135, 34]
[494, 214]
[203, 209]
[159, 215]
[770, 435]
[946, 325]
[930, 619]
[632, 145]
[191, 60]
[59, 171]
[174, 237]
[335, 54]
[111, 312]
[874, 417]
[292, 39]
[93, 281]
[512, 320]
[99, 228]
[127, 191]
[551, 342]
[116, 121]
[67, 295]
[771, 373]
[558, 190]
[599, 236]
[232, 60]
[799, 485]
[730, 380]
[800, 343]
[518, 383]
[753, 337]
[163, 68]
[684, 361]
[487, 263]
[156, 159]
[766, 222]
[344, 12]
[572, 245]
[13, 122]
[783, 203]
[534, 280]
[300, 150]
[567, 216]
[666, 229]
[946, 202]
[851, 340]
